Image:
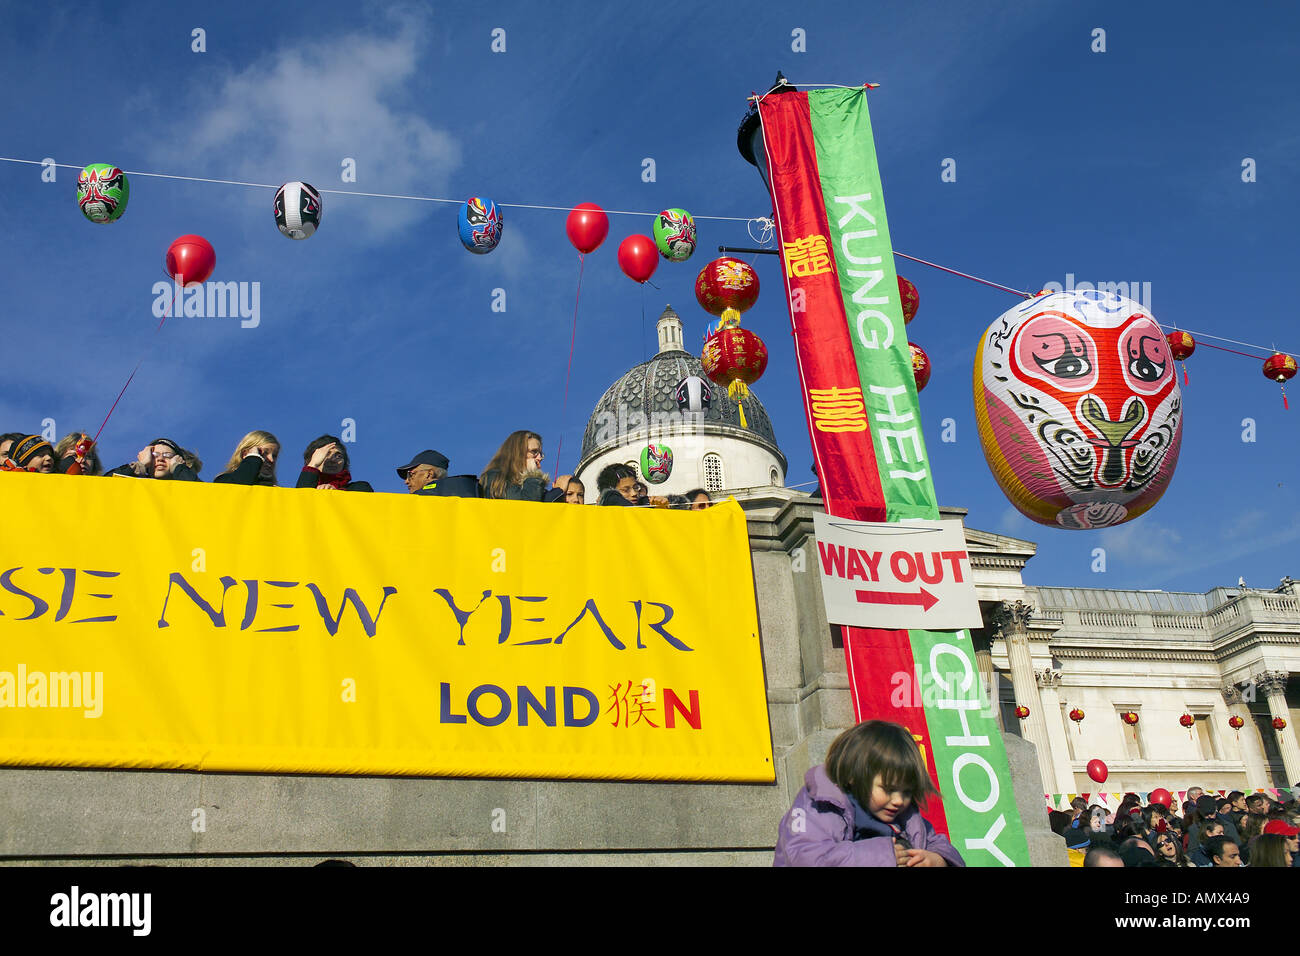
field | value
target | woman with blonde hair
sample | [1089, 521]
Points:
[515, 471]
[253, 462]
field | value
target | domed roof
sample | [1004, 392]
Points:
[644, 396]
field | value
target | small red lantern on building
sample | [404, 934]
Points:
[1181, 346]
[1279, 723]
[1187, 720]
[736, 358]
[1021, 711]
[1076, 715]
[920, 365]
[726, 283]
[1236, 723]
[1280, 367]
[910, 299]
[1130, 717]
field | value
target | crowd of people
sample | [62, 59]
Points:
[1204, 831]
[514, 472]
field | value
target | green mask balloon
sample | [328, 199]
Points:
[656, 463]
[675, 234]
[102, 192]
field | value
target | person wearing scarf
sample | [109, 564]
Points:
[325, 467]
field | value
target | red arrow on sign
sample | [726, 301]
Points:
[923, 598]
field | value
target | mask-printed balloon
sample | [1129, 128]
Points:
[1078, 408]
[297, 210]
[656, 463]
[693, 395]
[675, 234]
[102, 192]
[480, 225]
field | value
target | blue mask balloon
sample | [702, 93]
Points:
[480, 225]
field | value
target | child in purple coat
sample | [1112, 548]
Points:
[857, 808]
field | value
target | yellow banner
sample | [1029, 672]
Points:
[219, 627]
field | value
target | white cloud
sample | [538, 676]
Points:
[298, 112]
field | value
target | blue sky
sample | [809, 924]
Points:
[1117, 166]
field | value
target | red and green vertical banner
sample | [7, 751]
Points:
[855, 369]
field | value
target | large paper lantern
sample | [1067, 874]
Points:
[1078, 408]
[735, 358]
[726, 283]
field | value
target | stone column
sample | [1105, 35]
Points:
[1012, 621]
[1252, 748]
[1049, 682]
[984, 662]
[1273, 684]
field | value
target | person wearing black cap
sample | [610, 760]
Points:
[33, 453]
[162, 458]
[423, 472]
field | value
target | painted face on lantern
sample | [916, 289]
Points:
[1079, 408]
[101, 192]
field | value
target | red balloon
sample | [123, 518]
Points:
[1097, 770]
[190, 260]
[910, 298]
[638, 257]
[1161, 796]
[587, 227]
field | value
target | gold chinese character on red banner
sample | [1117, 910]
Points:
[808, 256]
[838, 409]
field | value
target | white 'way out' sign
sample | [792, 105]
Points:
[896, 576]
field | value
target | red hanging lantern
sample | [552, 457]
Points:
[1131, 718]
[1021, 711]
[736, 358]
[726, 283]
[1280, 367]
[1279, 723]
[1181, 346]
[920, 365]
[910, 298]
[1076, 715]
[1187, 720]
[1236, 723]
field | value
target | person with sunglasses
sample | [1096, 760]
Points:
[1169, 851]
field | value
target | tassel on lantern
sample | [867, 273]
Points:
[738, 391]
